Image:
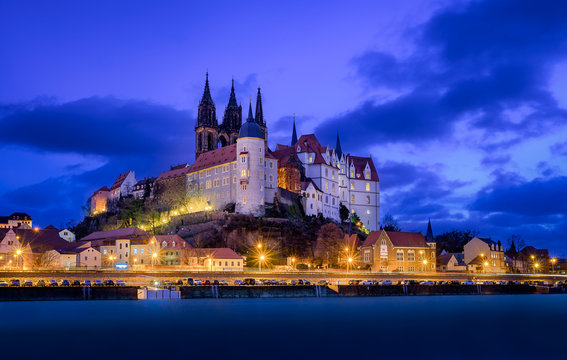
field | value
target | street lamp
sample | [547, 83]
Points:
[154, 257]
[349, 261]
[293, 262]
[259, 245]
[553, 261]
[536, 266]
[262, 257]
[19, 253]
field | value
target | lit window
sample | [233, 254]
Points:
[368, 199]
[367, 186]
[352, 185]
[243, 172]
[244, 199]
[367, 212]
[400, 255]
[352, 198]
[310, 158]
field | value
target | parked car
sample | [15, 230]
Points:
[40, 283]
[385, 282]
[468, 282]
[502, 282]
[98, 283]
[367, 282]
[293, 282]
[454, 282]
[515, 282]
[53, 283]
[323, 282]
[14, 282]
[179, 282]
[190, 281]
[3, 283]
[427, 283]
[299, 282]
[120, 283]
[250, 281]
[239, 282]
[223, 282]
[87, 283]
[28, 283]
[206, 282]
[283, 282]
[76, 283]
[259, 282]
[216, 282]
[488, 282]
[166, 283]
[65, 283]
[410, 282]
[108, 282]
[198, 282]
[559, 284]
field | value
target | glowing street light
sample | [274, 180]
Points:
[262, 258]
[154, 257]
[292, 262]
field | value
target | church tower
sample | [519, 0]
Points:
[250, 168]
[207, 129]
[232, 120]
[260, 116]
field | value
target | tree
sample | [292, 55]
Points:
[329, 243]
[390, 223]
[343, 212]
[47, 259]
[455, 240]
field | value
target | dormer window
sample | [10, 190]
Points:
[310, 158]
[367, 174]
[298, 148]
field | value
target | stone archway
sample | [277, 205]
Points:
[223, 140]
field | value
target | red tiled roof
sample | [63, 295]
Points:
[39, 240]
[125, 233]
[219, 253]
[119, 180]
[305, 184]
[398, 239]
[309, 143]
[180, 243]
[359, 166]
[104, 188]
[173, 173]
[180, 166]
[214, 158]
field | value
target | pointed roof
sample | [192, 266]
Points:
[294, 134]
[250, 117]
[232, 99]
[259, 111]
[338, 147]
[250, 128]
[207, 92]
[429, 236]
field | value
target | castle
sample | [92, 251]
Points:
[234, 165]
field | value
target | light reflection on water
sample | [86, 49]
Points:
[347, 328]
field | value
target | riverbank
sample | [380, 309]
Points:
[298, 291]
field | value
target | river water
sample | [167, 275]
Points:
[427, 327]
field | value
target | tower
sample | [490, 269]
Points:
[294, 134]
[206, 129]
[232, 120]
[250, 150]
[338, 149]
[260, 116]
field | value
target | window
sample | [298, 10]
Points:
[411, 256]
[367, 212]
[271, 164]
[400, 255]
[368, 199]
[411, 268]
[400, 268]
[352, 198]
[326, 186]
[271, 178]
[244, 199]
[243, 187]
[120, 245]
[243, 159]
[216, 171]
[209, 172]
[201, 186]
[352, 185]
[367, 186]
[326, 172]
[142, 251]
[208, 184]
[261, 174]
[234, 179]
[232, 263]
[310, 158]
[351, 173]
[135, 251]
[201, 174]
[243, 173]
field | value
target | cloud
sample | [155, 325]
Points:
[113, 135]
[530, 198]
[480, 61]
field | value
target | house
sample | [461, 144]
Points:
[17, 219]
[67, 235]
[99, 200]
[452, 262]
[144, 188]
[174, 249]
[122, 186]
[312, 198]
[391, 251]
[216, 259]
[484, 255]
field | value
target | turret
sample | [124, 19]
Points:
[206, 129]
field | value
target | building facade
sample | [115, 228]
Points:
[485, 254]
[390, 251]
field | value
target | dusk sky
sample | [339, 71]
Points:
[461, 104]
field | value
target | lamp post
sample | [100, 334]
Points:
[424, 265]
[553, 261]
[262, 257]
[349, 261]
[154, 257]
[18, 253]
[293, 263]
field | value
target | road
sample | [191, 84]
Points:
[144, 277]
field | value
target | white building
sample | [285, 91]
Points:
[67, 235]
[122, 186]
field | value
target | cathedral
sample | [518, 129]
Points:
[234, 165]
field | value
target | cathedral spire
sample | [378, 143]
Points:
[207, 93]
[250, 117]
[259, 111]
[338, 149]
[232, 98]
[294, 134]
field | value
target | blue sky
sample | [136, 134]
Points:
[462, 104]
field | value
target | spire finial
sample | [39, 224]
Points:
[250, 117]
[294, 133]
